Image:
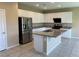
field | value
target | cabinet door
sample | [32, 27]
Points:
[67, 34]
[38, 43]
[67, 17]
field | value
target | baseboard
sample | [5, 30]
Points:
[71, 37]
[75, 37]
[13, 46]
[67, 37]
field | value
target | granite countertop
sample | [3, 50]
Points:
[51, 33]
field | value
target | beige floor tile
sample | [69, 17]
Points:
[68, 48]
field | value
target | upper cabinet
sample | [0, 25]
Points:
[66, 17]
[36, 17]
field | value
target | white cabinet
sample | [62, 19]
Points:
[38, 43]
[36, 17]
[67, 34]
[65, 16]
[45, 44]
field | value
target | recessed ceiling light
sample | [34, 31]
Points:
[37, 5]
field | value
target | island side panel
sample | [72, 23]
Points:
[52, 43]
[67, 34]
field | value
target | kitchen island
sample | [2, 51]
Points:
[46, 41]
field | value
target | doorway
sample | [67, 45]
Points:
[3, 30]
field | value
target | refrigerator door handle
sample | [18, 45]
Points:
[24, 26]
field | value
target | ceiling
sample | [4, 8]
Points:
[51, 5]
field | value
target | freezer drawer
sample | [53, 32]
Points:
[26, 38]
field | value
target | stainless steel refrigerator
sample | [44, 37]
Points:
[25, 30]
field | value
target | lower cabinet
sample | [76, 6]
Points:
[67, 34]
[45, 44]
[38, 43]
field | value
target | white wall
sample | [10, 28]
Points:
[36, 17]
[66, 17]
[11, 10]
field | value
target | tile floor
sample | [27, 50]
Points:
[68, 48]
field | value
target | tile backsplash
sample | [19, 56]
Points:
[38, 25]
